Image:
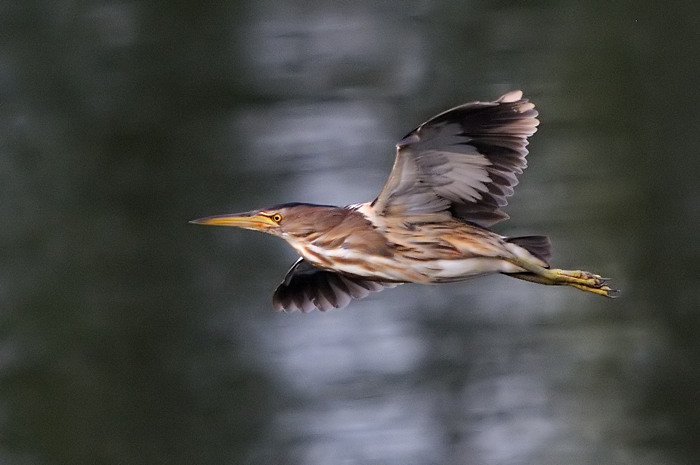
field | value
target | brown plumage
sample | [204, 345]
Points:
[450, 179]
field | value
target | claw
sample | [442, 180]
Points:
[612, 293]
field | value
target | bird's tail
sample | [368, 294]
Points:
[539, 246]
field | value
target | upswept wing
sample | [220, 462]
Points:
[465, 161]
[306, 288]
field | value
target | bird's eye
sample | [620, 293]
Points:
[276, 217]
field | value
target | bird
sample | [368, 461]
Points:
[430, 222]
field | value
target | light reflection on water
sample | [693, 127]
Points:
[322, 152]
[350, 388]
[470, 389]
[132, 337]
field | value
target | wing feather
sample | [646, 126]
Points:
[465, 161]
[306, 288]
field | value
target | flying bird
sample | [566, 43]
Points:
[451, 177]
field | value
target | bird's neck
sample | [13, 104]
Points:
[355, 237]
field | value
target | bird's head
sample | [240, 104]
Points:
[289, 221]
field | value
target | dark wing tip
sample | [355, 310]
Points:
[307, 288]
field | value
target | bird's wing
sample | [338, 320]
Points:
[306, 288]
[464, 161]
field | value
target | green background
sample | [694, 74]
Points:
[128, 336]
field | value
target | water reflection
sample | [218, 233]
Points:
[338, 48]
[301, 146]
[130, 337]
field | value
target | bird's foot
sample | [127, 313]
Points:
[583, 280]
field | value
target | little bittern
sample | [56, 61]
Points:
[450, 179]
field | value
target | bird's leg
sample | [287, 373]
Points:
[582, 280]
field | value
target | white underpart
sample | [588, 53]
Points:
[466, 268]
[391, 272]
[420, 272]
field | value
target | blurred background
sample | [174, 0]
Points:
[128, 336]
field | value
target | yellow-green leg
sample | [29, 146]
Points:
[582, 280]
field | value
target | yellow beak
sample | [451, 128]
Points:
[254, 221]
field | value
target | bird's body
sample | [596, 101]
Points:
[429, 223]
[431, 250]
